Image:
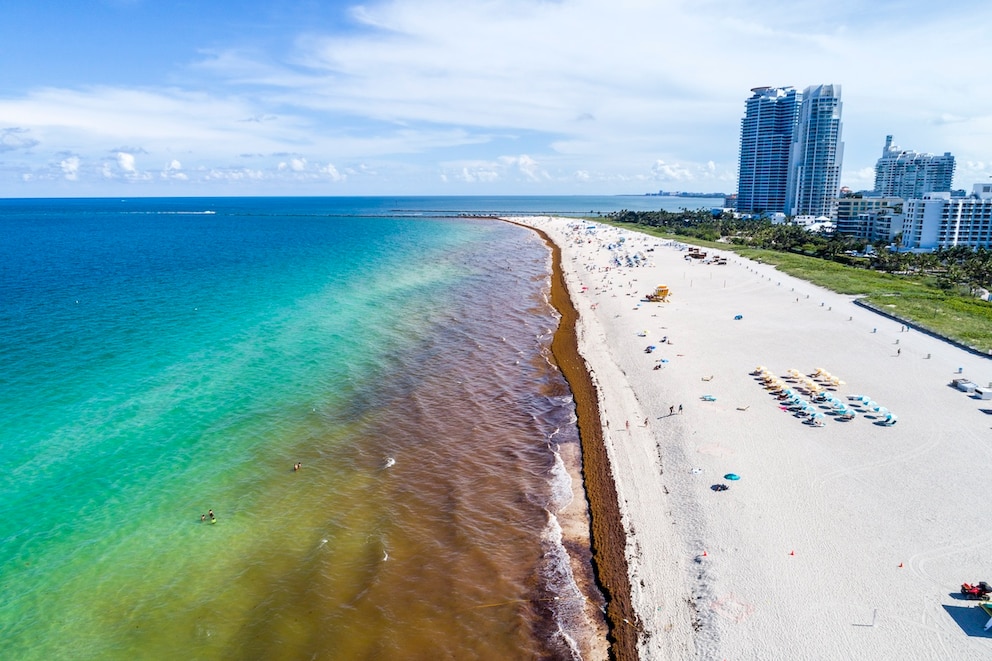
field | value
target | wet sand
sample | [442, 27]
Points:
[607, 534]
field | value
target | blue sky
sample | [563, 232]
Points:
[463, 97]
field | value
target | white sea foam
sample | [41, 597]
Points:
[561, 485]
[568, 601]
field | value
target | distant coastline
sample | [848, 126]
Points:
[682, 194]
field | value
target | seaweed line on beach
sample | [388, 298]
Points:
[607, 532]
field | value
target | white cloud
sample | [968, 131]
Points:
[234, 175]
[174, 171]
[670, 172]
[14, 138]
[331, 173]
[862, 179]
[582, 93]
[127, 165]
[125, 162]
[70, 168]
[526, 165]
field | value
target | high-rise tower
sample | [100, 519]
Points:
[905, 173]
[766, 144]
[817, 153]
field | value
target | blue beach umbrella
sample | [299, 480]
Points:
[732, 476]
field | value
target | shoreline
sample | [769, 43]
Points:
[826, 515]
[607, 536]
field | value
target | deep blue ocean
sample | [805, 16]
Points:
[164, 358]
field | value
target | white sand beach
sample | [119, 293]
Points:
[846, 541]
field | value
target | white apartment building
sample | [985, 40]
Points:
[910, 175]
[938, 220]
[817, 153]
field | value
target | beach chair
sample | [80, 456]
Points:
[987, 607]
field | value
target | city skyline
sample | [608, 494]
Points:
[134, 97]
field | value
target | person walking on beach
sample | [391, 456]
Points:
[671, 410]
[680, 409]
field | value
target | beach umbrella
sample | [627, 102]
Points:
[732, 476]
[818, 415]
[864, 399]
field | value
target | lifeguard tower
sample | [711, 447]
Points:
[659, 295]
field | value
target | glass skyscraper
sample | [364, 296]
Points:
[766, 146]
[817, 154]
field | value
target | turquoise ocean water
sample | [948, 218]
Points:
[160, 358]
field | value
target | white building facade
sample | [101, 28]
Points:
[817, 154]
[938, 220]
[907, 174]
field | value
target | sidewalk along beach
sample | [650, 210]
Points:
[796, 476]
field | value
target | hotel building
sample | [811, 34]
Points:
[817, 154]
[910, 175]
[790, 152]
[766, 145]
[938, 220]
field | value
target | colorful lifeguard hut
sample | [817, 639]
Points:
[659, 295]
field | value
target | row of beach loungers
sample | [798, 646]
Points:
[809, 395]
